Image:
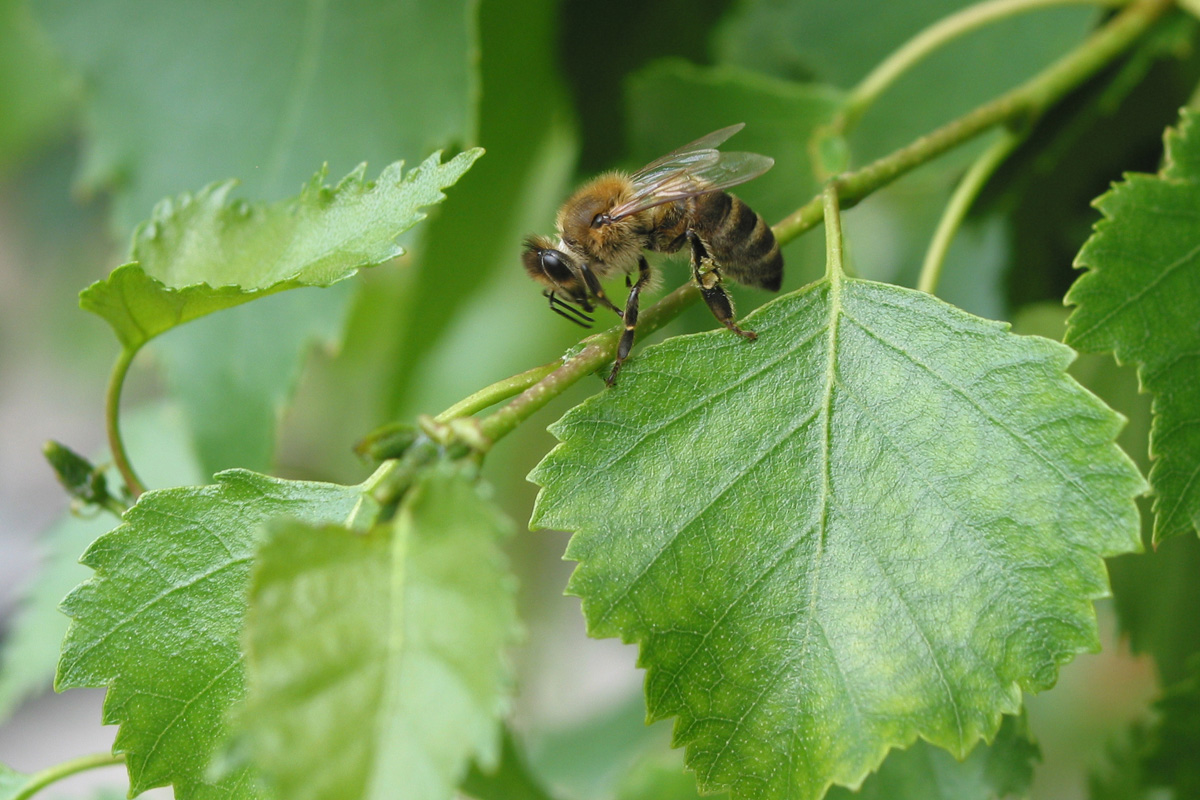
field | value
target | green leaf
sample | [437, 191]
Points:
[387, 646]
[159, 623]
[1139, 299]
[158, 442]
[882, 520]
[205, 252]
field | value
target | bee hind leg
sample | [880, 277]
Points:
[630, 316]
[704, 272]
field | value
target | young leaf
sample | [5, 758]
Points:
[882, 520]
[375, 661]
[202, 253]
[159, 623]
[1140, 299]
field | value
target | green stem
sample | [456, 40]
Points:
[968, 189]
[40, 780]
[112, 413]
[498, 391]
[597, 352]
[1018, 108]
[935, 36]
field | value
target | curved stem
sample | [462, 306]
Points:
[968, 189]
[40, 780]
[112, 413]
[1018, 108]
[498, 391]
[935, 36]
[600, 349]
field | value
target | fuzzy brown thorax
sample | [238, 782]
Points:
[607, 245]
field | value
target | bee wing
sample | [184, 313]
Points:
[688, 174]
[703, 148]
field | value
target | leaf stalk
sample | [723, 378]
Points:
[964, 195]
[40, 780]
[112, 414]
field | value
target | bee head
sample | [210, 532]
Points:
[553, 268]
[556, 270]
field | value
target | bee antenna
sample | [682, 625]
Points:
[568, 311]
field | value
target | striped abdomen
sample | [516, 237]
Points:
[739, 240]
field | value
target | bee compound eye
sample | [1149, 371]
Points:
[555, 266]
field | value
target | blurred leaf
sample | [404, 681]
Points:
[881, 520]
[1174, 738]
[159, 623]
[526, 124]
[600, 49]
[511, 779]
[10, 782]
[587, 760]
[1139, 299]
[157, 440]
[659, 776]
[840, 41]
[1112, 124]
[1122, 776]
[1157, 597]
[389, 643]
[673, 102]
[261, 91]
[1158, 760]
[922, 772]
[1001, 769]
[33, 90]
[234, 397]
[203, 253]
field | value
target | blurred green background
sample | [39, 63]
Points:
[106, 106]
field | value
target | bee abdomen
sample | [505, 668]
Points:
[740, 241]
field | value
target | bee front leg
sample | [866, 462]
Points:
[630, 316]
[704, 272]
[593, 285]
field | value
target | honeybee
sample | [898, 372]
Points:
[677, 200]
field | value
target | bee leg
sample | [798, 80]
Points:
[705, 273]
[630, 316]
[593, 286]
